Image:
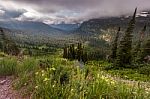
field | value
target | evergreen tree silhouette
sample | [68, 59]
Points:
[114, 47]
[79, 52]
[137, 50]
[65, 53]
[124, 56]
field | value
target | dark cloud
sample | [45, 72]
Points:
[86, 4]
[72, 10]
[11, 13]
[14, 13]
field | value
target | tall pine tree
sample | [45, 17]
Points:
[3, 40]
[124, 56]
[137, 49]
[79, 51]
[84, 57]
[145, 52]
[114, 46]
[65, 53]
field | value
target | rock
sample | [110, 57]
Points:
[6, 91]
[80, 64]
[2, 82]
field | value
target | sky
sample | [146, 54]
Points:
[68, 11]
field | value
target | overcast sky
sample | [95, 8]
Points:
[55, 11]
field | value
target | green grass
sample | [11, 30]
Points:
[65, 80]
[11, 66]
[57, 78]
[140, 73]
[8, 66]
[130, 74]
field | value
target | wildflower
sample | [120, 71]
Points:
[55, 81]
[103, 77]
[147, 92]
[62, 59]
[52, 69]
[42, 71]
[36, 73]
[107, 80]
[126, 76]
[65, 59]
[25, 84]
[112, 82]
[53, 86]
[36, 87]
[71, 89]
[43, 74]
[46, 79]
[134, 92]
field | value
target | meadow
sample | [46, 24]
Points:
[53, 77]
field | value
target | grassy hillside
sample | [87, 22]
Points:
[54, 77]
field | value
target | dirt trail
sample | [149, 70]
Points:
[6, 91]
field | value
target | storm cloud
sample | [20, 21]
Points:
[8, 14]
[55, 11]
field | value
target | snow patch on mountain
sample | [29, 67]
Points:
[143, 14]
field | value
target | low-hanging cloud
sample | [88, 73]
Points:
[50, 11]
[6, 14]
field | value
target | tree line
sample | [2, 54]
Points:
[123, 53]
[7, 45]
[75, 52]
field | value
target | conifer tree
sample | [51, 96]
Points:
[79, 52]
[137, 49]
[65, 53]
[145, 51]
[114, 46]
[124, 56]
[85, 57]
[71, 52]
[3, 40]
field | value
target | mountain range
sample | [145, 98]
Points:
[93, 28]
[66, 27]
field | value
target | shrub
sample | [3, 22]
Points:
[145, 70]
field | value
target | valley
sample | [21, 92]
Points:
[71, 55]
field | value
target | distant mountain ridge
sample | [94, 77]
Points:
[96, 25]
[30, 26]
[66, 27]
[93, 28]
